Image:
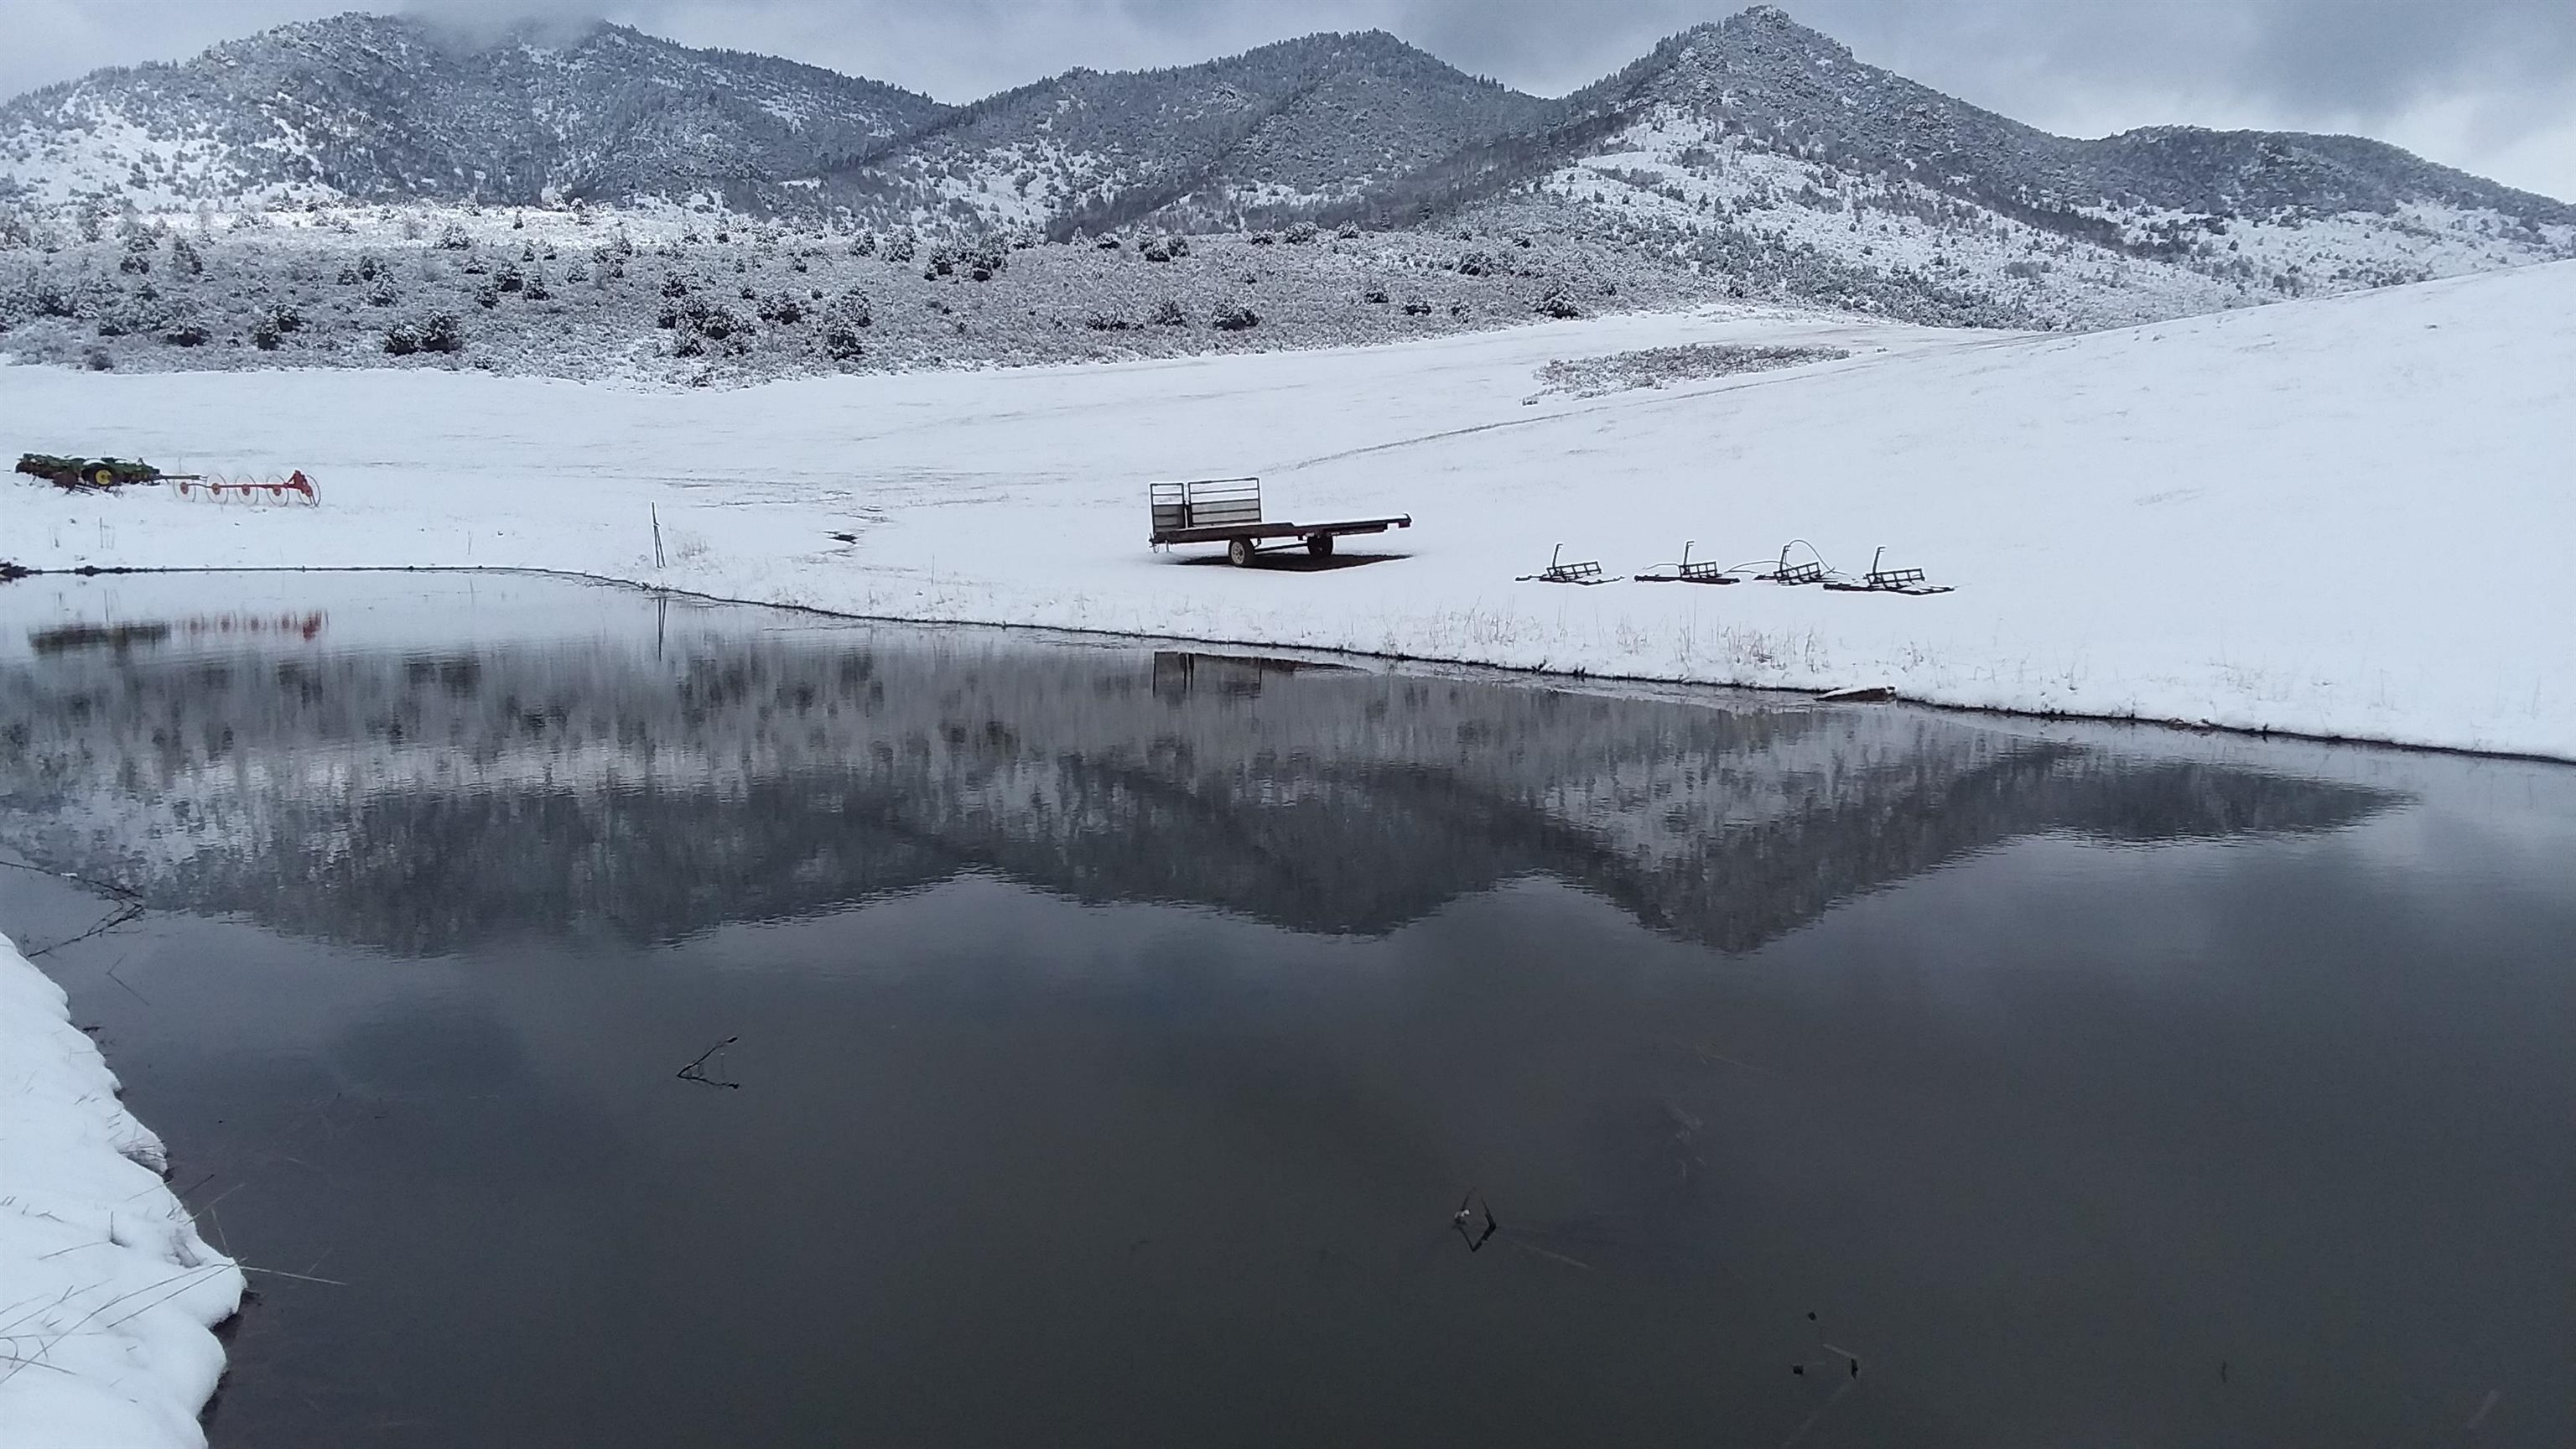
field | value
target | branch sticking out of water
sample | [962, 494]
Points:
[129, 906]
[696, 1071]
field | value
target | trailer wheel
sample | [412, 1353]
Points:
[1238, 552]
[104, 477]
[1320, 545]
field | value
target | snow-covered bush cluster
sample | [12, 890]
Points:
[1656, 366]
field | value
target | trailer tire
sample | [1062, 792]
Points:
[104, 477]
[1238, 552]
[1320, 545]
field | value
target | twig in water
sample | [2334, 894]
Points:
[109, 886]
[1544, 1253]
[1832, 1399]
[696, 1071]
[1846, 1355]
[1707, 1056]
[1851, 1380]
[298, 1277]
[118, 917]
[1465, 1215]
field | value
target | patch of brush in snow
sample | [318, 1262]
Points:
[1657, 366]
[106, 1291]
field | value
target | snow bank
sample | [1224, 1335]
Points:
[2350, 517]
[106, 1292]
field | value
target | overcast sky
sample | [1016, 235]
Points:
[2486, 85]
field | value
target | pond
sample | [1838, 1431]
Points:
[643, 1022]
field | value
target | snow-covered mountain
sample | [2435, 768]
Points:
[1748, 158]
[371, 108]
[1283, 131]
[1757, 146]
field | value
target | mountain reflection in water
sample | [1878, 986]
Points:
[428, 802]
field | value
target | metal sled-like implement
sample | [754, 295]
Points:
[1705, 571]
[1889, 581]
[1559, 572]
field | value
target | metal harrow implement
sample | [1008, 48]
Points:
[295, 487]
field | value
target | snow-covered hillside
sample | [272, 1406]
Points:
[667, 294]
[2347, 516]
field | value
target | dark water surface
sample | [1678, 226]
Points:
[1115, 1033]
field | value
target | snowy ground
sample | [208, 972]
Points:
[2351, 516]
[106, 1291]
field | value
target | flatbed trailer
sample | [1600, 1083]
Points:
[1228, 511]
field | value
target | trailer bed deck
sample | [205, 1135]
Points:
[1228, 511]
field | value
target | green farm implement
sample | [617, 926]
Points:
[91, 474]
[104, 475]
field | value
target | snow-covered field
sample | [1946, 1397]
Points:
[2349, 516]
[106, 1291]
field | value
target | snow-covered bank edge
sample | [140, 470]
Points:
[107, 1295]
[1854, 691]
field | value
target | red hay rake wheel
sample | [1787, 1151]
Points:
[294, 488]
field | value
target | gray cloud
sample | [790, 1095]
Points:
[2488, 85]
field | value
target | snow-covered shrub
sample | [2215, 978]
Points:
[433, 332]
[1234, 317]
[843, 319]
[1168, 313]
[984, 259]
[1557, 302]
[1476, 264]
